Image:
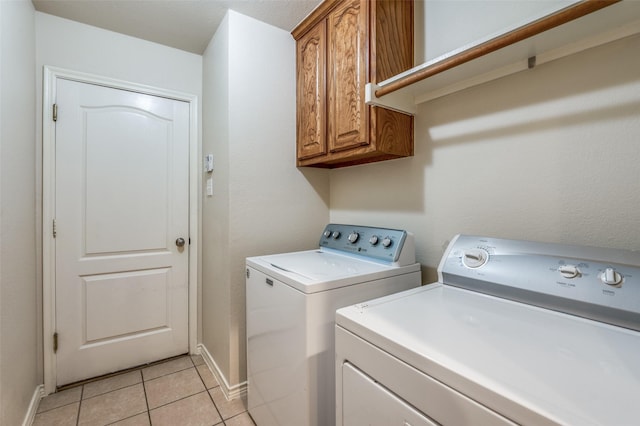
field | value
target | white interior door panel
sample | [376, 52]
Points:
[122, 201]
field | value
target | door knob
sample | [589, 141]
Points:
[180, 242]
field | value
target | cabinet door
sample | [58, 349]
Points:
[311, 68]
[347, 74]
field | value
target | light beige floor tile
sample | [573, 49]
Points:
[197, 360]
[113, 406]
[66, 415]
[59, 399]
[196, 410]
[172, 387]
[243, 419]
[139, 420]
[168, 367]
[227, 408]
[207, 376]
[112, 383]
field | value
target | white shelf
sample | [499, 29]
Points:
[611, 23]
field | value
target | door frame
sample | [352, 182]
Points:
[51, 74]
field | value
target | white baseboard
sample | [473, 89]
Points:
[230, 392]
[38, 394]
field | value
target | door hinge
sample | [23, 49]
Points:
[55, 112]
[55, 230]
[55, 342]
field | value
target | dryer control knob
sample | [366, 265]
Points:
[373, 240]
[569, 271]
[353, 237]
[327, 233]
[336, 235]
[386, 242]
[611, 277]
[475, 258]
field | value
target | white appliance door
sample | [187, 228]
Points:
[366, 402]
[121, 204]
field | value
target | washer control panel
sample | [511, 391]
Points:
[375, 243]
[597, 283]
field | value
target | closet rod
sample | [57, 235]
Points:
[563, 16]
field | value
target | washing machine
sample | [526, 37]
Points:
[291, 304]
[513, 332]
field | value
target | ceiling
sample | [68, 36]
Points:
[183, 24]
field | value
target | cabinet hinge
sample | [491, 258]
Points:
[55, 342]
[55, 112]
[55, 230]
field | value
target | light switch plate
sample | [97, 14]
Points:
[209, 187]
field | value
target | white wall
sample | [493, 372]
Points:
[215, 210]
[548, 154]
[71, 45]
[18, 314]
[466, 22]
[262, 203]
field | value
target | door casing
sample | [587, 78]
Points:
[51, 74]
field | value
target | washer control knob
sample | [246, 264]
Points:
[373, 240]
[353, 237]
[327, 233]
[569, 271]
[336, 235]
[611, 277]
[475, 258]
[386, 242]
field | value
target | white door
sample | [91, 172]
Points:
[121, 208]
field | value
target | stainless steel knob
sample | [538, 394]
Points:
[180, 242]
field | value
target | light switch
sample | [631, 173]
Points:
[210, 187]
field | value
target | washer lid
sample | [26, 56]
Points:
[314, 270]
[532, 365]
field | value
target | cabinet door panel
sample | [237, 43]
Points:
[311, 115]
[347, 65]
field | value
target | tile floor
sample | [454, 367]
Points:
[178, 392]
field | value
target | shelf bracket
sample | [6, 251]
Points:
[396, 101]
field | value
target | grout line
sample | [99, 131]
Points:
[60, 406]
[213, 402]
[214, 377]
[113, 390]
[166, 374]
[79, 406]
[126, 418]
[146, 400]
[239, 414]
[179, 399]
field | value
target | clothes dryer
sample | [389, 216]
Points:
[513, 332]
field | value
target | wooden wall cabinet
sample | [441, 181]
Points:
[341, 46]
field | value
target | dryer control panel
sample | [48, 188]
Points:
[383, 244]
[602, 284]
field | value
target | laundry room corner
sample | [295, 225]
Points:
[259, 201]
